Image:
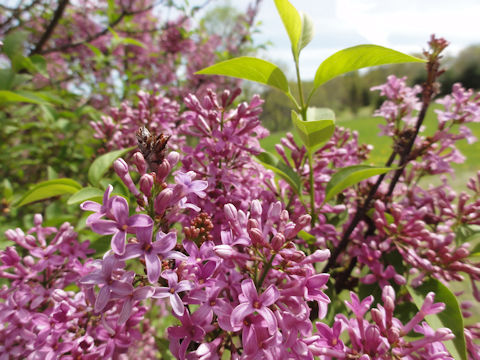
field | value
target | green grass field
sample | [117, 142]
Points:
[367, 127]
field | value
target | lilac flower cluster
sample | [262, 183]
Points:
[43, 316]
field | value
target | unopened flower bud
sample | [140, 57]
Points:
[230, 212]
[224, 251]
[162, 201]
[38, 219]
[256, 208]
[173, 157]
[146, 184]
[256, 236]
[163, 170]
[120, 167]
[278, 241]
[140, 162]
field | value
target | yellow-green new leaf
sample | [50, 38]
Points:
[250, 68]
[292, 22]
[318, 128]
[358, 57]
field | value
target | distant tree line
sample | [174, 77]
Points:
[352, 91]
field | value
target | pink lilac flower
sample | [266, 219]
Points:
[121, 225]
[174, 287]
[153, 252]
[251, 302]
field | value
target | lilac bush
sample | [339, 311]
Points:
[219, 250]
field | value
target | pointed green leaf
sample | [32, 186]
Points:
[273, 163]
[250, 68]
[10, 96]
[48, 189]
[101, 164]
[307, 31]
[349, 176]
[87, 193]
[450, 318]
[292, 22]
[13, 43]
[317, 130]
[358, 57]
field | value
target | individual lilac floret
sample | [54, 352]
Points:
[98, 209]
[174, 287]
[250, 302]
[154, 252]
[121, 225]
[186, 185]
[131, 296]
[103, 277]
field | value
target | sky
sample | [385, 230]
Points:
[403, 25]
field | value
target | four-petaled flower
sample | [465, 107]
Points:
[121, 225]
[174, 287]
[251, 302]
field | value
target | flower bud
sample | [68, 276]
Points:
[140, 162]
[278, 241]
[230, 212]
[256, 208]
[224, 251]
[38, 219]
[163, 170]
[173, 157]
[120, 167]
[256, 236]
[163, 200]
[146, 184]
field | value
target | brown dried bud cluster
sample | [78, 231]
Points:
[199, 229]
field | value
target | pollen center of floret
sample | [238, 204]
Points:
[172, 290]
[124, 227]
[256, 305]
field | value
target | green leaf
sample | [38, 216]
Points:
[40, 64]
[48, 189]
[275, 164]
[6, 78]
[132, 41]
[96, 51]
[307, 31]
[358, 57]
[250, 68]
[291, 21]
[13, 43]
[101, 164]
[318, 128]
[7, 189]
[11, 96]
[349, 176]
[87, 193]
[451, 317]
[309, 238]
